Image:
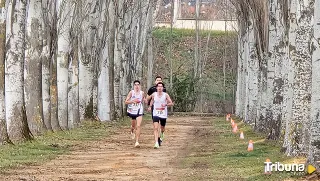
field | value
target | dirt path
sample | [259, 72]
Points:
[116, 159]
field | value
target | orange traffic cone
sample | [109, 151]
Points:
[235, 128]
[241, 135]
[267, 168]
[250, 146]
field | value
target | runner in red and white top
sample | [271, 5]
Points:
[160, 101]
[135, 101]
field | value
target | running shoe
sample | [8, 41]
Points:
[137, 145]
[156, 145]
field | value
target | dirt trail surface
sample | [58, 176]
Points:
[115, 158]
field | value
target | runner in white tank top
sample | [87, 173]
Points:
[135, 109]
[134, 102]
[160, 100]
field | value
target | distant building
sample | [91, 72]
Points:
[213, 14]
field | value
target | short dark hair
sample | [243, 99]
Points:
[136, 81]
[160, 83]
[158, 77]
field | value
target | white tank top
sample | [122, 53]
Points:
[135, 108]
[158, 110]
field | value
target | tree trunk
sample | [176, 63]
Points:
[252, 77]
[63, 58]
[150, 48]
[241, 73]
[299, 125]
[14, 65]
[45, 58]
[111, 48]
[53, 67]
[103, 72]
[288, 83]
[239, 77]
[246, 77]
[33, 66]
[314, 147]
[73, 90]
[150, 62]
[86, 59]
[118, 57]
[196, 52]
[4, 138]
[278, 56]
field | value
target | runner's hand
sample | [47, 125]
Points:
[149, 108]
[163, 105]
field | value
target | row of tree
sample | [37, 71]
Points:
[278, 89]
[64, 61]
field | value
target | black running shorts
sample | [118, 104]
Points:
[161, 120]
[134, 116]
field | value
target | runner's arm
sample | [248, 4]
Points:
[169, 101]
[145, 97]
[128, 97]
[149, 94]
[151, 102]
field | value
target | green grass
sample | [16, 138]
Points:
[50, 145]
[227, 158]
[165, 33]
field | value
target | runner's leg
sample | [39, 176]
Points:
[155, 131]
[138, 128]
[162, 125]
[159, 131]
[133, 126]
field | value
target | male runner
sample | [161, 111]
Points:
[159, 100]
[152, 90]
[134, 101]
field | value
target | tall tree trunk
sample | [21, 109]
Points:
[86, 59]
[53, 67]
[73, 93]
[288, 87]
[150, 48]
[246, 77]
[103, 87]
[4, 138]
[314, 147]
[252, 77]
[63, 58]
[196, 52]
[14, 90]
[103, 73]
[278, 56]
[239, 104]
[73, 89]
[45, 58]
[299, 125]
[241, 84]
[267, 74]
[33, 66]
[111, 48]
[150, 61]
[119, 56]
